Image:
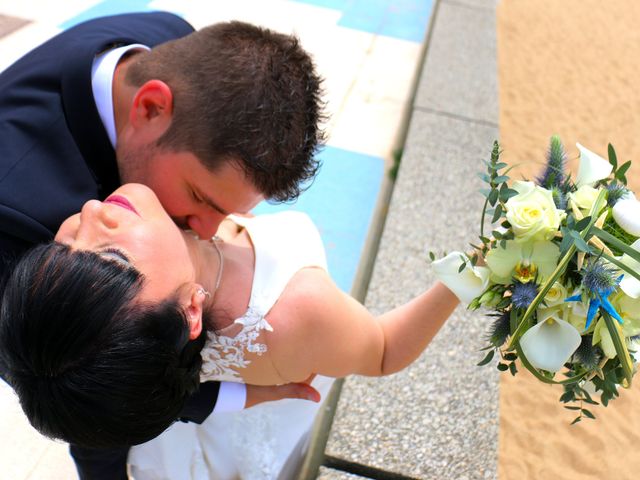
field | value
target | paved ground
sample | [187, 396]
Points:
[437, 419]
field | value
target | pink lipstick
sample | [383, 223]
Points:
[121, 202]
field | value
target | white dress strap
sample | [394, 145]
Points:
[283, 244]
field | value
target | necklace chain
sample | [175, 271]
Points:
[214, 240]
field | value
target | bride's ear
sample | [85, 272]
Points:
[194, 310]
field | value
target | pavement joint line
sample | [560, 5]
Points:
[471, 7]
[361, 470]
[455, 116]
[316, 455]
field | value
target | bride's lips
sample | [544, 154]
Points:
[121, 202]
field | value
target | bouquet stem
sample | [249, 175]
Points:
[615, 330]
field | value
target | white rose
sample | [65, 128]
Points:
[556, 295]
[532, 213]
[584, 197]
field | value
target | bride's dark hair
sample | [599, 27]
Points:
[91, 364]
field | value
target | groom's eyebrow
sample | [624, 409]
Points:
[214, 205]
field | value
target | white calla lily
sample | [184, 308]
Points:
[626, 213]
[592, 167]
[549, 344]
[466, 285]
[630, 284]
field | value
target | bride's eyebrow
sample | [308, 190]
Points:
[115, 255]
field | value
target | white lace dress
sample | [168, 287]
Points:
[267, 441]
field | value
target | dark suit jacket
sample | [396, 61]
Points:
[55, 154]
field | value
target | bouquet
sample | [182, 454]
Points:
[559, 273]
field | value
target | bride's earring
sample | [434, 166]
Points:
[202, 291]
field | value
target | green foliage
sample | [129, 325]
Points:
[610, 226]
[619, 172]
[575, 393]
[395, 168]
[498, 192]
[611, 377]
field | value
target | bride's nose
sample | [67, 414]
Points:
[95, 214]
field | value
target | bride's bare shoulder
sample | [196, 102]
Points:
[304, 295]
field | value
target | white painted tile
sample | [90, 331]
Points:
[55, 464]
[45, 10]
[17, 43]
[22, 446]
[368, 127]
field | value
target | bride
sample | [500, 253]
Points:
[105, 332]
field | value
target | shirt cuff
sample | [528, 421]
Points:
[231, 397]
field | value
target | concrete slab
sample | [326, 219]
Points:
[331, 474]
[459, 75]
[438, 418]
[488, 4]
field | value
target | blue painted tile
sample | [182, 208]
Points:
[403, 19]
[340, 202]
[110, 7]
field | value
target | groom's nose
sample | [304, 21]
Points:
[205, 225]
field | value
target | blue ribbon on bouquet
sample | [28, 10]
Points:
[599, 300]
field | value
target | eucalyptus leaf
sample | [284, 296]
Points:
[567, 397]
[497, 214]
[623, 169]
[588, 414]
[582, 224]
[613, 158]
[579, 243]
[488, 357]
[493, 197]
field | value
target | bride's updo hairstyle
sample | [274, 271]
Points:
[90, 364]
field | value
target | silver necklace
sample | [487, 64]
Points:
[214, 240]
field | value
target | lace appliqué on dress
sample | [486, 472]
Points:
[223, 356]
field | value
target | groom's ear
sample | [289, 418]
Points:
[194, 311]
[151, 110]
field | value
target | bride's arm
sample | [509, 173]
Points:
[329, 333]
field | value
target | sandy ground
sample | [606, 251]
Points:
[570, 68]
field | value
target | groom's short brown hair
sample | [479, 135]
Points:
[241, 93]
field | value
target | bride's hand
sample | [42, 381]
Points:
[260, 394]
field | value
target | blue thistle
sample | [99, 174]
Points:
[523, 294]
[599, 279]
[553, 175]
[615, 193]
[587, 353]
[500, 329]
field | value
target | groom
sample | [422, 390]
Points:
[213, 121]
